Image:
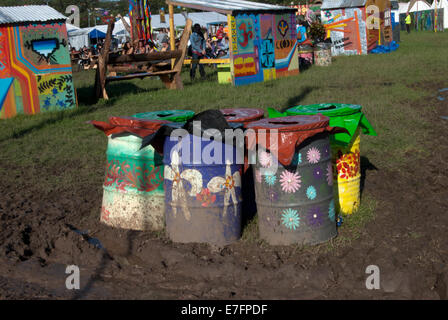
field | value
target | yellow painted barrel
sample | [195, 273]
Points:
[347, 173]
[345, 149]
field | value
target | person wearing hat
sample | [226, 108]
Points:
[165, 45]
[198, 46]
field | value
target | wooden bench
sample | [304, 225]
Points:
[165, 65]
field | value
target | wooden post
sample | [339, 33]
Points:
[103, 60]
[231, 53]
[172, 32]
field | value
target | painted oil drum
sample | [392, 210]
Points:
[243, 115]
[322, 54]
[168, 115]
[296, 202]
[203, 195]
[347, 168]
[345, 149]
[305, 55]
[133, 197]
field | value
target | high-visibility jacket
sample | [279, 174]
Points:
[408, 19]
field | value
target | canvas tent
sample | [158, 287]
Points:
[202, 18]
[442, 4]
[413, 6]
[82, 37]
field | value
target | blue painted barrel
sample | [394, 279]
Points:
[202, 197]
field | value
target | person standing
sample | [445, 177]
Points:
[220, 32]
[408, 22]
[198, 51]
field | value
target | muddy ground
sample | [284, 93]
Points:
[408, 240]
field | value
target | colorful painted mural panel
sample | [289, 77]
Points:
[423, 20]
[55, 92]
[265, 48]
[347, 29]
[246, 34]
[35, 63]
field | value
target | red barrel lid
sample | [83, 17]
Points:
[140, 127]
[291, 123]
[243, 114]
[292, 131]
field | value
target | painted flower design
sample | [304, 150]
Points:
[290, 181]
[270, 179]
[228, 185]
[330, 174]
[318, 173]
[272, 195]
[205, 197]
[315, 217]
[258, 176]
[313, 155]
[290, 219]
[265, 159]
[348, 165]
[179, 194]
[311, 193]
[332, 211]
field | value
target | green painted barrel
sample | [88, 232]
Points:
[133, 188]
[168, 115]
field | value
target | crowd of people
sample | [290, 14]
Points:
[206, 46]
[203, 44]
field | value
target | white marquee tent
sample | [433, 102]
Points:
[419, 5]
[79, 38]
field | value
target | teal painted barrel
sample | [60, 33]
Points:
[167, 115]
[133, 188]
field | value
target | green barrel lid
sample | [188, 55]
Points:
[168, 115]
[327, 109]
[348, 116]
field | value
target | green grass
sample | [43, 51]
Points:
[34, 148]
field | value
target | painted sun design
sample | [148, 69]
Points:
[290, 219]
[290, 181]
[313, 155]
[311, 193]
